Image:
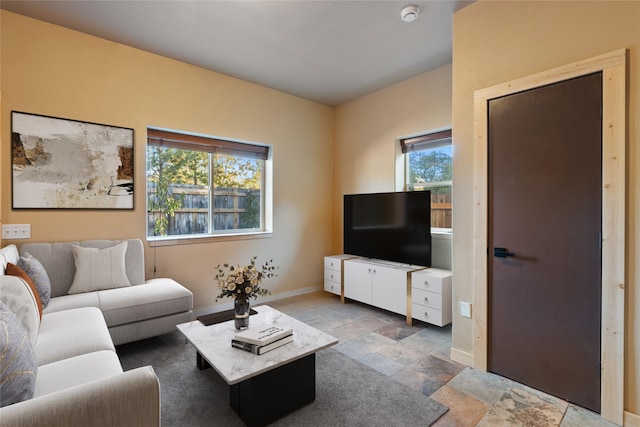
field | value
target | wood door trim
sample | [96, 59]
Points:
[613, 67]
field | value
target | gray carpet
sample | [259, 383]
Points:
[347, 392]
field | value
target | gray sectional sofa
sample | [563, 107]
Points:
[142, 310]
[79, 380]
[67, 360]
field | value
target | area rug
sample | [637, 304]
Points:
[347, 391]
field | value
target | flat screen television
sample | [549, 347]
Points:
[389, 226]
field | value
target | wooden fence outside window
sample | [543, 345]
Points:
[234, 208]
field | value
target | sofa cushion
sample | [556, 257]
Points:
[98, 269]
[75, 371]
[17, 360]
[156, 298]
[70, 333]
[67, 302]
[14, 270]
[16, 294]
[34, 269]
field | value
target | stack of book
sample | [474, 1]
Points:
[262, 338]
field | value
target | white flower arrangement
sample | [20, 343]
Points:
[243, 281]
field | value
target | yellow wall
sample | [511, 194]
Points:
[54, 71]
[496, 42]
[367, 129]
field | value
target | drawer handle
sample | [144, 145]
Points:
[426, 314]
[332, 277]
[426, 299]
[426, 283]
[331, 264]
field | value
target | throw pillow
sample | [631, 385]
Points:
[17, 359]
[38, 275]
[14, 270]
[99, 269]
[8, 254]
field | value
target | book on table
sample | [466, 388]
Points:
[263, 334]
[261, 349]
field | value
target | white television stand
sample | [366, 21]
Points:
[416, 292]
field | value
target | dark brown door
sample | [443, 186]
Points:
[545, 204]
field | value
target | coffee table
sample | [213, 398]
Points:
[266, 387]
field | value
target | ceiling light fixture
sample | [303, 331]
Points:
[410, 13]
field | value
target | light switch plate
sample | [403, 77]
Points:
[465, 309]
[16, 231]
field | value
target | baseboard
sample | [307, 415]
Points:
[288, 294]
[631, 419]
[461, 356]
[227, 303]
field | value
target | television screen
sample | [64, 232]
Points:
[389, 226]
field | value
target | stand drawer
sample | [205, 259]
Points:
[332, 275]
[426, 281]
[331, 263]
[333, 287]
[428, 314]
[426, 298]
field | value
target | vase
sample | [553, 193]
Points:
[241, 312]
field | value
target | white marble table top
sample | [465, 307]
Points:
[234, 365]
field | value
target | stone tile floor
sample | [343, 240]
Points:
[418, 356]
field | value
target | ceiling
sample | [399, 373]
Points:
[328, 51]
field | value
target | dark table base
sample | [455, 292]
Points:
[265, 398]
[261, 400]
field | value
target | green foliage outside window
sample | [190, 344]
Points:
[431, 169]
[163, 166]
[251, 216]
[236, 172]
[431, 166]
[168, 168]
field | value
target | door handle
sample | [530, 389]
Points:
[502, 253]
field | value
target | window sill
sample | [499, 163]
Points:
[192, 240]
[442, 232]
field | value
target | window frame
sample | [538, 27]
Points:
[205, 143]
[422, 142]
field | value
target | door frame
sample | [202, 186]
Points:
[613, 68]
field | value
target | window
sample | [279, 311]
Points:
[199, 186]
[428, 166]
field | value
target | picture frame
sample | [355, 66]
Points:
[59, 163]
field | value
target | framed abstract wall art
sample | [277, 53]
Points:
[68, 164]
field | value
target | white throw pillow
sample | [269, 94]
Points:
[99, 269]
[8, 254]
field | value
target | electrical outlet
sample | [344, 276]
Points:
[465, 309]
[16, 231]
